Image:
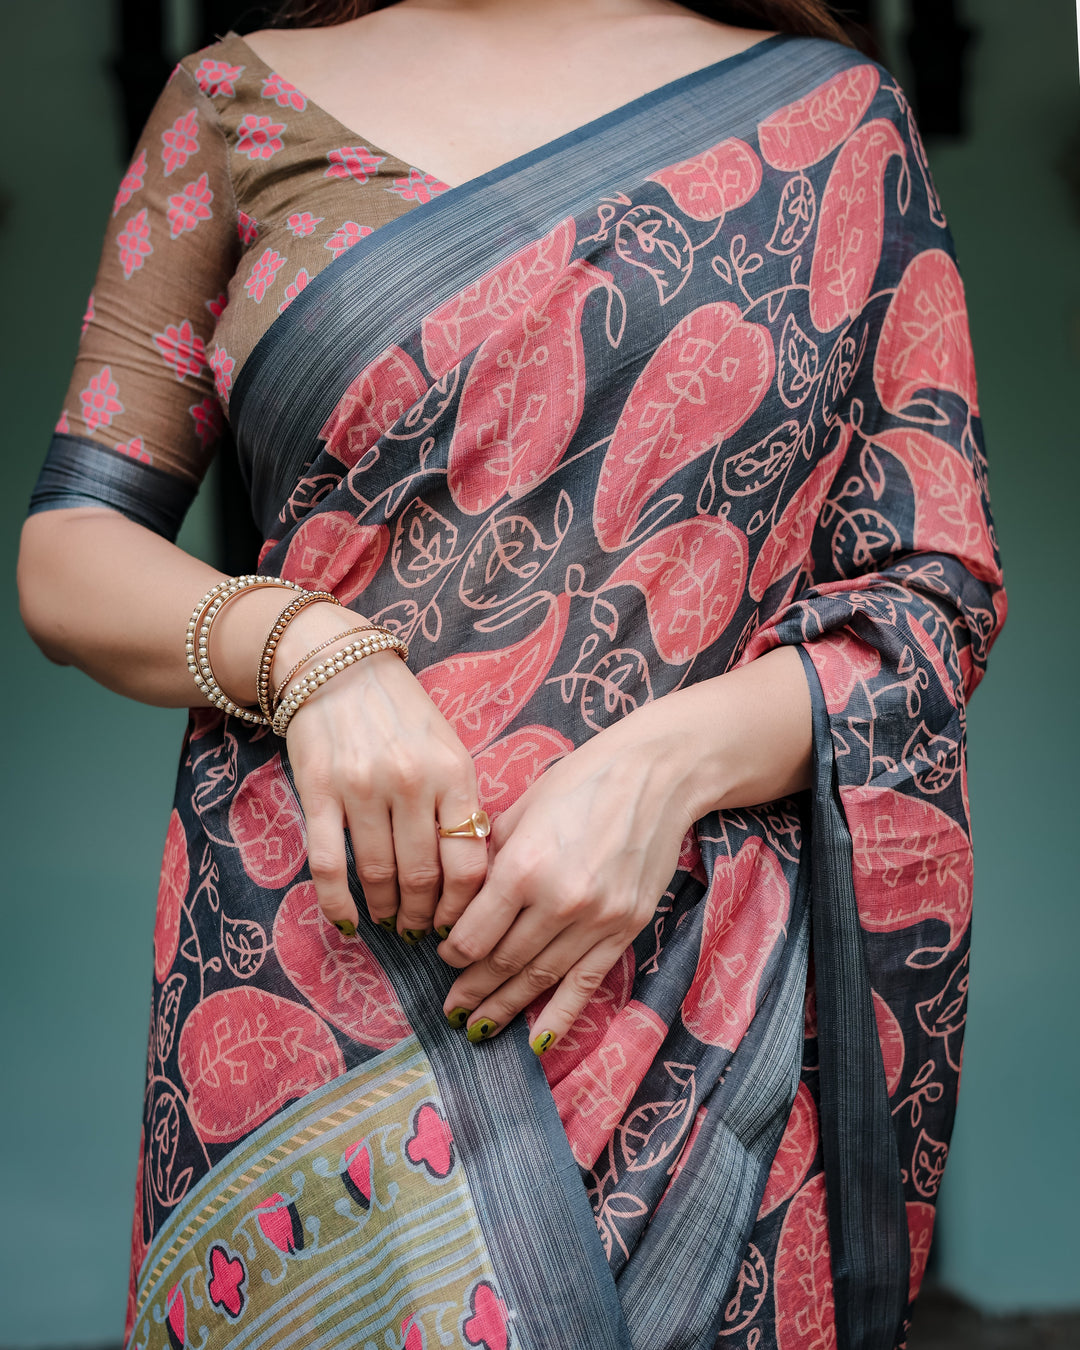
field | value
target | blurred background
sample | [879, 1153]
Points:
[88, 778]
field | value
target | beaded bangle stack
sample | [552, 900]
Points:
[295, 697]
[276, 711]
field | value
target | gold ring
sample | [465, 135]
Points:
[478, 826]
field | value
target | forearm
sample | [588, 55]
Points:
[99, 592]
[737, 739]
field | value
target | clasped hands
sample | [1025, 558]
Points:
[574, 869]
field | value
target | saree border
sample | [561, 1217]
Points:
[304, 362]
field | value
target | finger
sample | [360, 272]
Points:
[516, 956]
[376, 867]
[464, 861]
[574, 991]
[419, 872]
[326, 863]
[489, 915]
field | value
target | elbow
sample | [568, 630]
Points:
[35, 578]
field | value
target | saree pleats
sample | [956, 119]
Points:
[688, 384]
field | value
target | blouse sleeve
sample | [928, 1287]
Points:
[141, 417]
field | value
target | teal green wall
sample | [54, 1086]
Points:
[87, 777]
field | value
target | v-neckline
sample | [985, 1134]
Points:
[662, 92]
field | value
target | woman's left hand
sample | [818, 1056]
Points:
[580, 861]
[576, 869]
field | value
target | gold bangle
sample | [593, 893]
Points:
[349, 632]
[334, 664]
[197, 642]
[291, 610]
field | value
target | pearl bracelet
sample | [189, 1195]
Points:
[197, 643]
[335, 663]
[311, 655]
[266, 661]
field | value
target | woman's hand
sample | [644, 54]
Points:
[370, 753]
[579, 863]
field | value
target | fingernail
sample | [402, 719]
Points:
[414, 935]
[389, 923]
[457, 1017]
[480, 1031]
[443, 930]
[345, 927]
[543, 1042]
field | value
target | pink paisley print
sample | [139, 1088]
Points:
[180, 142]
[100, 401]
[263, 273]
[131, 182]
[714, 182]
[925, 342]
[331, 552]
[805, 1310]
[804, 132]
[377, 398]
[418, 187]
[188, 207]
[217, 78]
[339, 977]
[513, 763]
[172, 890]
[243, 1053]
[353, 161]
[284, 94]
[796, 1153]
[182, 349]
[259, 138]
[134, 244]
[267, 826]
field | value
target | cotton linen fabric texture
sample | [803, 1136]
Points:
[632, 409]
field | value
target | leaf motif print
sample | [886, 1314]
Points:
[244, 1053]
[746, 911]
[424, 543]
[804, 132]
[796, 1152]
[851, 225]
[523, 396]
[339, 977]
[480, 693]
[514, 762]
[788, 543]
[693, 577]
[375, 400]
[243, 945]
[912, 862]
[657, 242]
[925, 342]
[267, 826]
[714, 182]
[701, 384]
[795, 215]
[331, 552]
[460, 324]
[172, 891]
[949, 516]
[509, 554]
[798, 366]
[920, 1221]
[805, 1309]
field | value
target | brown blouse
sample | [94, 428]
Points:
[241, 191]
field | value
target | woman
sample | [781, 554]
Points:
[634, 397]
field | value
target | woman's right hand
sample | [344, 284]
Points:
[370, 752]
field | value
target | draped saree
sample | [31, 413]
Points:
[625, 413]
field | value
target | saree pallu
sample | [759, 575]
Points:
[629, 411]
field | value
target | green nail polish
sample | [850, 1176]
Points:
[345, 927]
[543, 1042]
[443, 930]
[389, 923]
[480, 1031]
[457, 1017]
[414, 935]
